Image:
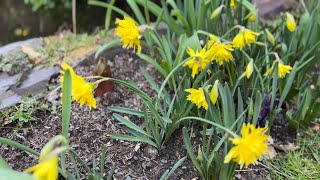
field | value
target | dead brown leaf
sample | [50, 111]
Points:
[33, 55]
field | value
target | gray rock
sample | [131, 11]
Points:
[35, 43]
[6, 81]
[9, 98]
[37, 80]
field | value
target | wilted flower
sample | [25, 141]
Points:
[218, 51]
[244, 37]
[282, 70]
[290, 22]
[198, 62]
[129, 33]
[82, 91]
[249, 147]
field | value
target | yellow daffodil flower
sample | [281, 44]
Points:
[249, 69]
[282, 70]
[198, 62]
[218, 51]
[244, 37]
[46, 169]
[129, 33]
[249, 147]
[232, 3]
[82, 91]
[197, 97]
[290, 22]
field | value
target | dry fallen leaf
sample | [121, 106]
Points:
[103, 69]
[287, 147]
[272, 153]
[33, 55]
[137, 147]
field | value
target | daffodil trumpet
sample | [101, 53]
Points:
[47, 167]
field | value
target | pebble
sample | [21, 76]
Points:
[128, 178]
[151, 151]
[135, 157]
[163, 161]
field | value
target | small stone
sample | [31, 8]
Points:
[126, 103]
[151, 151]
[144, 166]
[163, 161]
[128, 178]
[184, 167]
[148, 164]
[135, 157]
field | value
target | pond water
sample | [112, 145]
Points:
[19, 22]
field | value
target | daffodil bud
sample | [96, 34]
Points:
[270, 37]
[251, 18]
[249, 69]
[259, 43]
[200, 156]
[216, 12]
[49, 147]
[290, 22]
[214, 93]
[284, 48]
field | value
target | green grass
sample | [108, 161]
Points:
[300, 164]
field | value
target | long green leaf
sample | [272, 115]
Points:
[130, 124]
[257, 107]
[18, 145]
[66, 109]
[176, 165]
[8, 174]
[151, 61]
[109, 44]
[131, 138]
[190, 151]
[288, 85]
[136, 11]
[126, 110]
[106, 5]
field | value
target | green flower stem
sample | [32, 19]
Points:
[230, 30]
[170, 74]
[210, 122]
